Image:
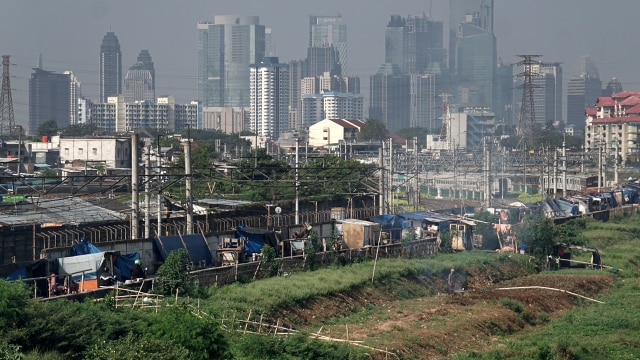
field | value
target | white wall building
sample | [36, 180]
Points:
[108, 152]
[331, 131]
[269, 98]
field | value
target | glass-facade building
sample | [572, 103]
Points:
[110, 67]
[325, 31]
[226, 47]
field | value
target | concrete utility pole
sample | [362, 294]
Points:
[381, 182]
[159, 189]
[564, 168]
[189, 196]
[487, 176]
[555, 173]
[147, 197]
[134, 187]
[297, 219]
[417, 175]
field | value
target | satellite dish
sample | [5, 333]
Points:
[278, 210]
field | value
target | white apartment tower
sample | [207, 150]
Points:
[269, 98]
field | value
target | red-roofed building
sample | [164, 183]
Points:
[613, 125]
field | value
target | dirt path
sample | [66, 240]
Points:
[416, 319]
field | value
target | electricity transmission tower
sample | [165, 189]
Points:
[527, 125]
[7, 123]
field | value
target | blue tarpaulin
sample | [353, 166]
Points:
[124, 263]
[83, 248]
[196, 245]
[255, 239]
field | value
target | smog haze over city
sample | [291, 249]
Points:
[67, 34]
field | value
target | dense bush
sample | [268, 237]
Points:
[13, 299]
[201, 336]
[174, 274]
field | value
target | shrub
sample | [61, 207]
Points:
[201, 336]
[13, 299]
[446, 242]
[174, 274]
[272, 264]
[137, 348]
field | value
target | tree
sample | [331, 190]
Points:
[536, 233]
[174, 274]
[419, 133]
[48, 128]
[200, 335]
[485, 228]
[79, 130]
[373, 130]
[13, 299]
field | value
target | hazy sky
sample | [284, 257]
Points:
[68, 34]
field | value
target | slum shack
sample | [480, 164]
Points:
[358, 233]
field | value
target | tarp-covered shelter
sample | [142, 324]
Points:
[84, 247]
[255, 238]
[429, 221]
[196, 245]
[392, 225]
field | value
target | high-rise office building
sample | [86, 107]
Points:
[476, 63]
[504, 106]
[110, 67]
[390, 98]
[269, 98]
[49, 98]
[423, 105]
[140, 80]
[482, 10]
[414, 43]
[547, 92]
[583, 90]
[325, 31]
[321, 60]
[226, 47]
[144, 58]
[614, 86]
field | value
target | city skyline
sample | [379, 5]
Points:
[571, 25]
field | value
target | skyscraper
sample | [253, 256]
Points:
[414, 43]
[504, 104]
[390, 97]
[139, 83]
[269, 98]
[458, 11]
[614, 86]
[145, 59]
[75, 94]
[583, 90]
[110, 67]
[547, 92]
[325, 31]
[49, 98]
[226, 47]
[476, 63]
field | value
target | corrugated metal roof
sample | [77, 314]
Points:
[66, 211]
[223, 202]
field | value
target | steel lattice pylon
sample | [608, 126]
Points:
[527, 125]
[7, 123]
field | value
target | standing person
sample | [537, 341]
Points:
[450, 283]
[136, 271]
[53, 287]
